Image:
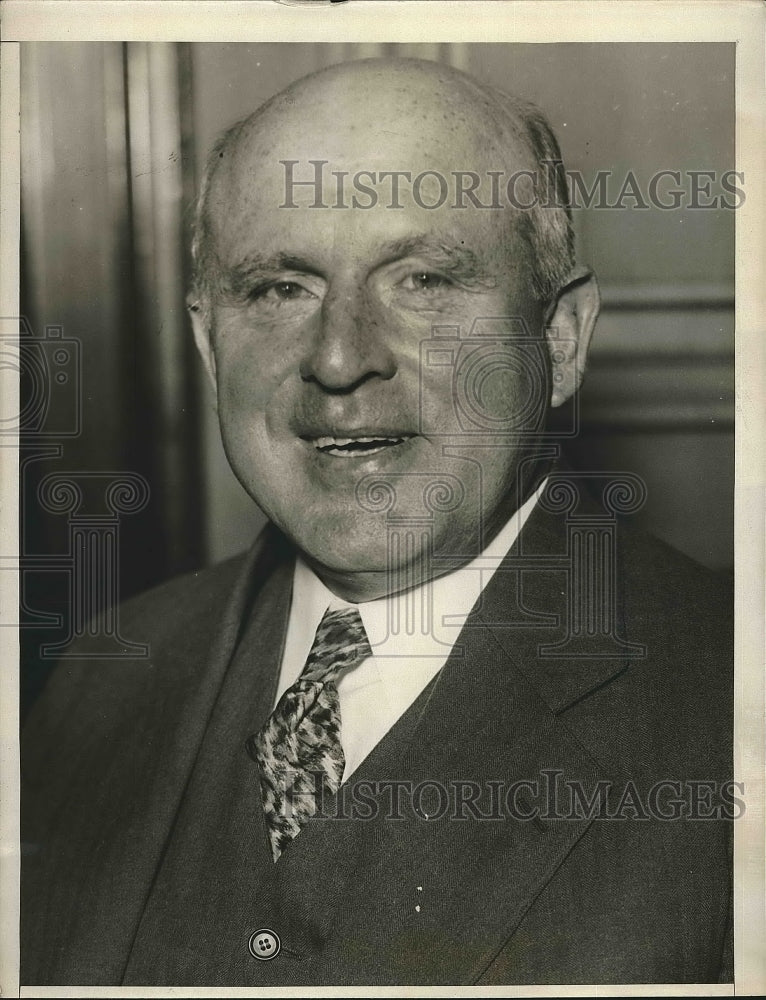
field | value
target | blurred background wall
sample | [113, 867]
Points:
[113, 137]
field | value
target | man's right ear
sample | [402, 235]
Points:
[201, 327]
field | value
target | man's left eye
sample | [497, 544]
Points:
[425, 281]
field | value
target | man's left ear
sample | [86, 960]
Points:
[569, 325]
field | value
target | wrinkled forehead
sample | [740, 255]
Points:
[378, 120]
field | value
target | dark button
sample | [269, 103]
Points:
[264, 944]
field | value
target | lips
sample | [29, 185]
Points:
[357, 446]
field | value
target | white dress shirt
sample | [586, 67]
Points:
[408, 651]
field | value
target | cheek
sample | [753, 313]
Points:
[488, 388]
[505, 387]
[250, 368]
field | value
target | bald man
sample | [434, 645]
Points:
[445, 723]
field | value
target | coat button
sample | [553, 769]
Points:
[264, 944]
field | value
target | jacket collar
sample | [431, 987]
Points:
[489, 724]
[560, 578]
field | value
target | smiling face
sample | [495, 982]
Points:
[327, 382]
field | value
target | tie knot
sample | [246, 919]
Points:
[339, 643]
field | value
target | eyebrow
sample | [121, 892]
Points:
[457, 261]
[257, 267]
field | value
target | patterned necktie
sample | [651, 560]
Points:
[298, 748]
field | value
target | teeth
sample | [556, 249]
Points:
[328, 442]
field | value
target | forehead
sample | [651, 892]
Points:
[357, 129]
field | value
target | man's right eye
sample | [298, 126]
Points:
[280, 291]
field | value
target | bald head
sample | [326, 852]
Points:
[384, 97]
[395, 114]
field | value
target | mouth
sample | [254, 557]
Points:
[356, 447]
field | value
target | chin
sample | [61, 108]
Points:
[343, 544]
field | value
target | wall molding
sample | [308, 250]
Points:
[691, 295]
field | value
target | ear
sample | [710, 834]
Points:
[201, 327]
[569, 325]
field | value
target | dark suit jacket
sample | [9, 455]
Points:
[145, 857]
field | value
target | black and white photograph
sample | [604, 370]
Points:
[378, 408]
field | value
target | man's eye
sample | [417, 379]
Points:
[426, 281]
[281, 291]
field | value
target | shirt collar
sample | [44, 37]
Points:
[424, 621]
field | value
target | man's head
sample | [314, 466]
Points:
[384, 349]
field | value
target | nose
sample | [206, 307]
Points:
[349, 345]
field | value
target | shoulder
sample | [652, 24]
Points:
[171, 634]
[182, 603]
[662, 692]
[683, 614]
[670, 710]
[662, 584]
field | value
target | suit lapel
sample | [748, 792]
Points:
[448, 891]
[538, 575]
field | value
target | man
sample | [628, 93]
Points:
[444, 724]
